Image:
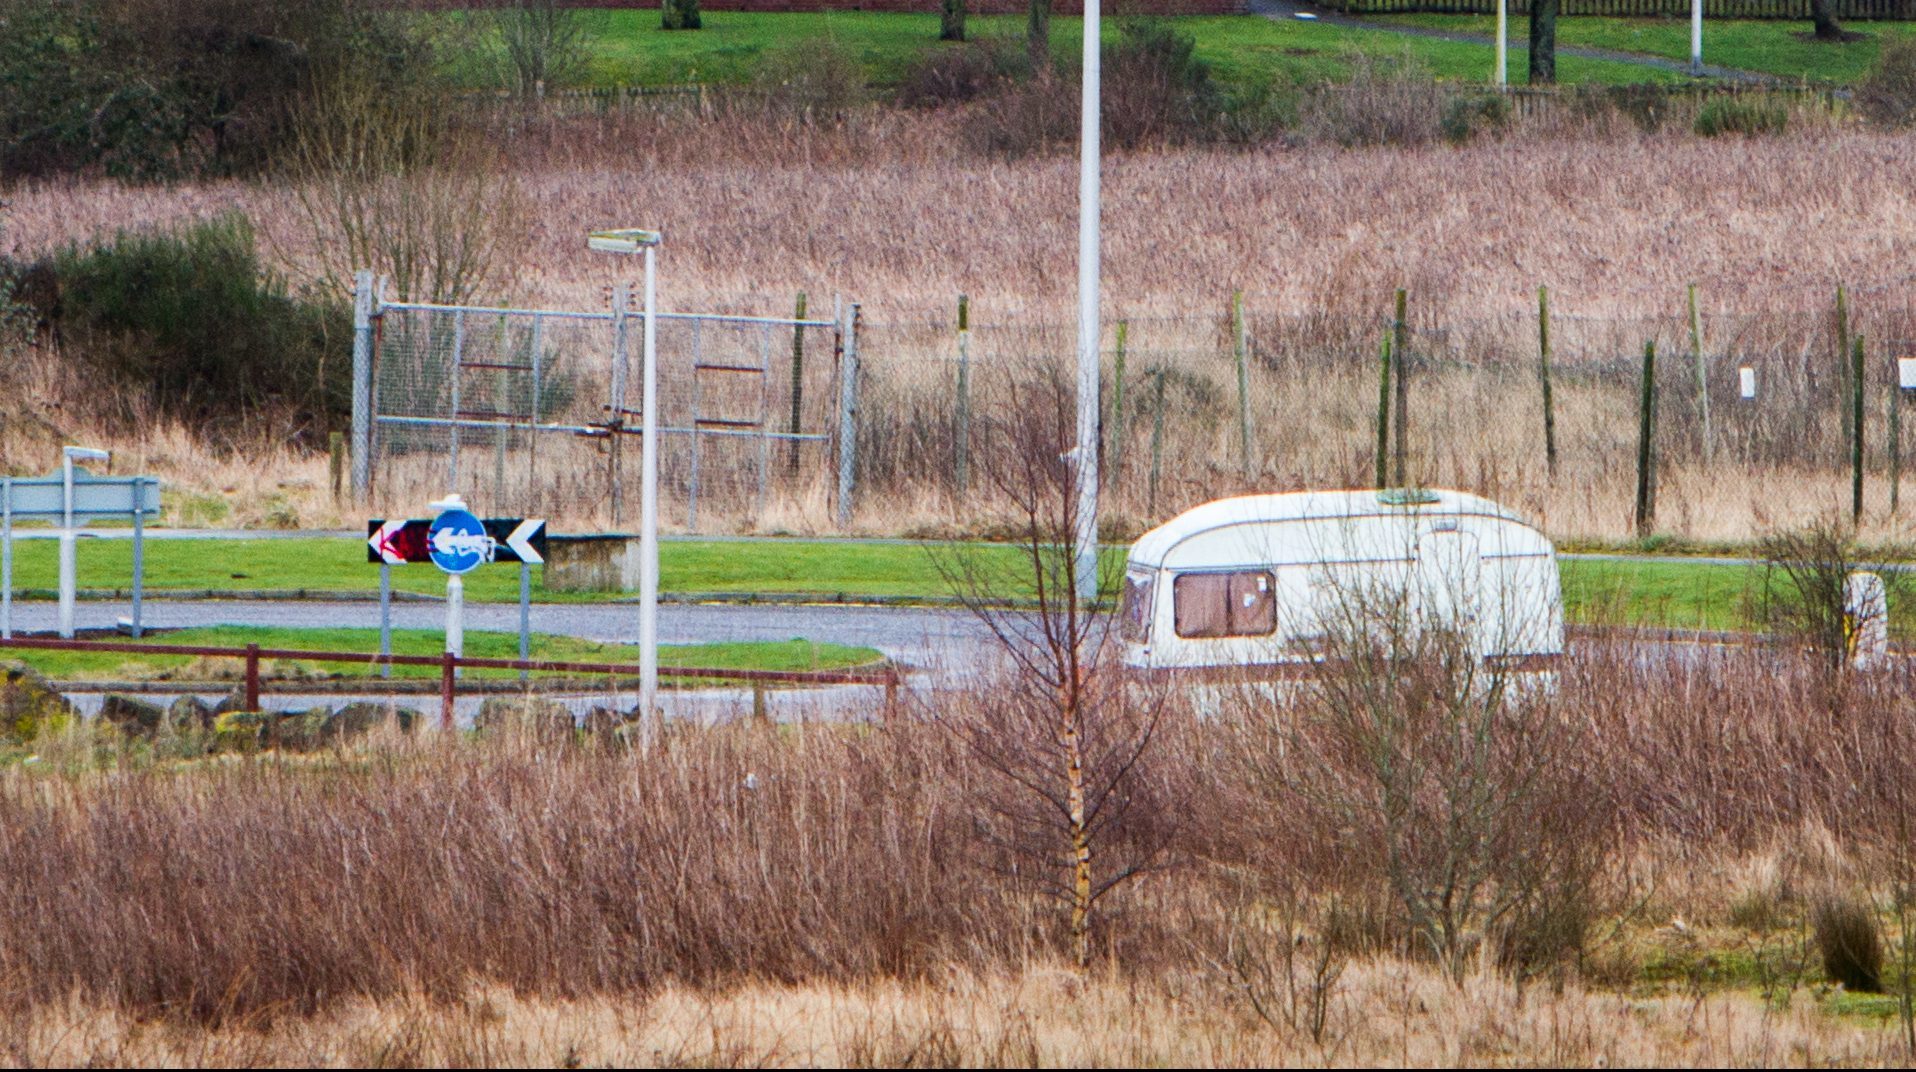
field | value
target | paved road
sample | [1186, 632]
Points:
[920, 636]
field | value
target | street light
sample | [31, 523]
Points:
[68, 455]
[627, 242]
[1085, 539]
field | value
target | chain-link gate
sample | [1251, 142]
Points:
[528, 411]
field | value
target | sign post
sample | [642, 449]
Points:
[65, 498]
[458, 543]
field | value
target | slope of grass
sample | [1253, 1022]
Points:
[93, 665]
[627, 47]
[1770, 46]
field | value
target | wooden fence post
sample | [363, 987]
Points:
[1842, 357]
[1157, 442]
[798, 386]
[1702, 376]
[1895, 435]
[336, 464]
[1543, 373]
[961, 467]
[1240, 346]
[1402, 417]
[1646, 444]
[1383, 413]
[1115, 470]
[1856, 437]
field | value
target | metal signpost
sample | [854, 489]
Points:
[69, 496]
[457, 542]
[647, 242]
[1085, 551]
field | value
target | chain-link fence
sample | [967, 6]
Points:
[537, 412]
[1752, 416]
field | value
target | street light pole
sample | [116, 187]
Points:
[1085, 546]
[646, 242]
[67, 571]
[1696, 37]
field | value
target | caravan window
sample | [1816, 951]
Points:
[1225, 604]
[1134, 618]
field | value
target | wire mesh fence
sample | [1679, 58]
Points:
[1751, 416]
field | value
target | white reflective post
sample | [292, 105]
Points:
[1696, 36]
[67, 568]
[1503, 43]
[649, 501]
[1085, 539]
[455, 615]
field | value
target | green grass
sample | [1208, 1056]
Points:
[627, 47]
[95, 665]
[1768, 46]
[1683, 595]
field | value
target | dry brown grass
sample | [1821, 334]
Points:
[889, 208]
[1392, 1013]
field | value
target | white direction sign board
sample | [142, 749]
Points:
[43, 498]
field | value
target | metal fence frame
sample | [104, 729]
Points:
[370, 308]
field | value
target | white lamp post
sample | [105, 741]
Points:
[1696, 37]
[647, 242]
[1085, 549]
[68, 456]
[1503, 43]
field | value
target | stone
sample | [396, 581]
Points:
[603, 722]
[241, 731]
[298, 731]
[29, 704]
[358, 719]
[189, 714]
[535, 714]
[131, 715]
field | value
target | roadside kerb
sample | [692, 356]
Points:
[449, 665]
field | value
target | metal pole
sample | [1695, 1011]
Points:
[362, 382]
[621, 298]
[455, 615]
[1696, 37]
[961, 474]
[649, 503]
[1085, 539]
[848, 415]
[1503, 43]
[66, 545]
[525, 615]
[139, 549]
[385, 619]
[6, 558]
[458, 365]
[1702, 377]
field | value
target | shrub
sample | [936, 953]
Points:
[680, 15]
[189, 321]
[962, 72]
[1467, 116]
[1850, 942]
[817, 79]
[1887, 96]
[1156, 89]
[1733, 115]
[1394, 104]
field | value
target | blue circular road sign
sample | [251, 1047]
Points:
[458, 542]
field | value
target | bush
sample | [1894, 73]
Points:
[964, 72]
[680, 15]
[817, 79]
[1394, 104]
[1733, 115]
[1467, 116]
[1887, 96]
[1156, 89]
[190, 322]
[1850, 942]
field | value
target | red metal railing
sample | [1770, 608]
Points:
[449, 665]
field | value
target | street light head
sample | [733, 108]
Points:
[87, 454]
[630, 240]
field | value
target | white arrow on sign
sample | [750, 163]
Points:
[521, 540]
[381, 541]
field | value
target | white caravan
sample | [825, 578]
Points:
[1262, 583]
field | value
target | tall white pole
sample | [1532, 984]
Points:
[649, 503]
[1696, 36]
[67, 582]
[1503, 43]
[1086, 544]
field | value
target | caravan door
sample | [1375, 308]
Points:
[1449, 579]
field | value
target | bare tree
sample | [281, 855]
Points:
[1072, 808]
[390, 182]
[540, 43]
[1804, 596]
[1543, 42]
[1823, 18]
[1038, 34]
[951, 20]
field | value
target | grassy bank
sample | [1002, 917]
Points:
[1676, 594]
[627, 47]
[95, 665]
[1771, 46]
